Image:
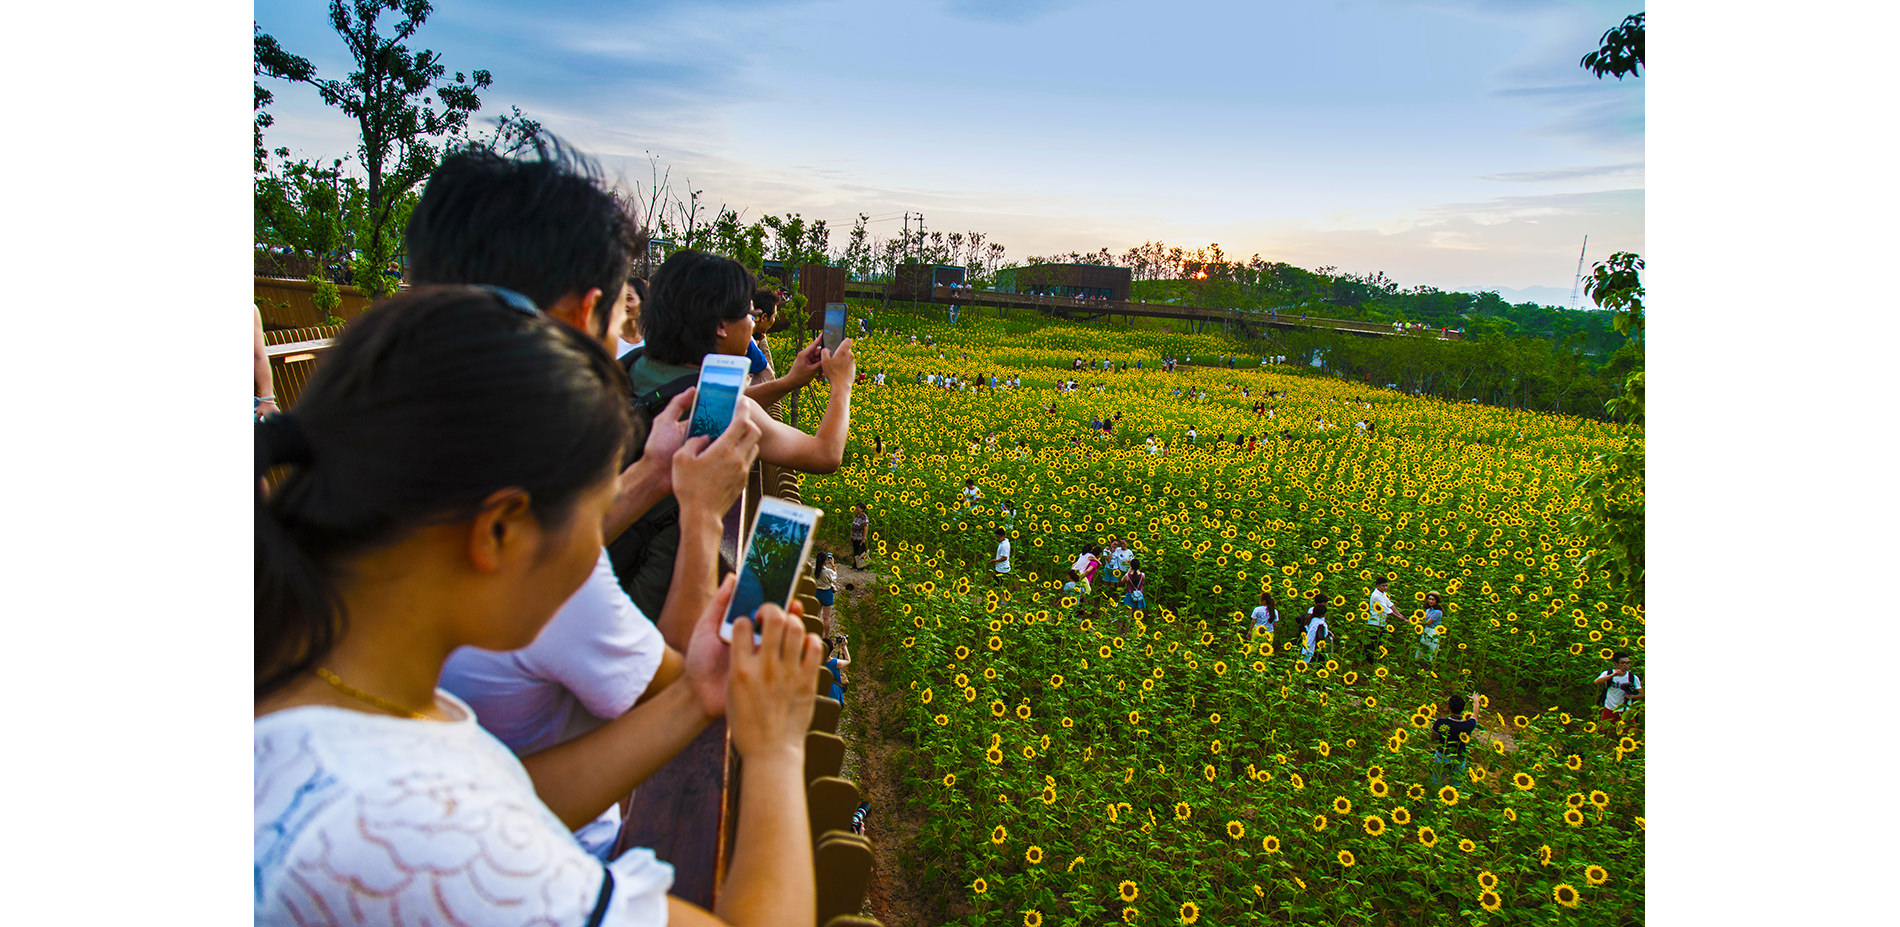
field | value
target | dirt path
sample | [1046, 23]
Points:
[876, 758]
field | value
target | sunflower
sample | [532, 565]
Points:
[1544, 854]
[1270, 844]
[942, 720]
[1342, 805]
[1377, 787]
[1401, 816]
[1236, 830]
[1319, 822]
[1596, 875]
[1490, 901]
[1033, 855]
[1523, 781]
[1128, 914]
[999, 835]
[979, 886]
[1565, 894]
[993, 755]
[1022, 711]
[949, 779]
[1032, 919]
[1428, 837]
[1298, 782]
[1487, 880]
[1374, 825]
[963, 653]
[1599, 799]
[1128, 891]
[1181, 811]
[1448, 795]
[1466, 846]
[1574, 761]
[1510, 814]
[1345, 858]
[1575, 799]
[1134, 717]
[1415, 792]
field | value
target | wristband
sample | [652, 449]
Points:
[269, 399]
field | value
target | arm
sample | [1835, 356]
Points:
[823, 452]
[707, 478]
[771, 880]
[804, 366]
[578, 779]
[260, 369]
[1603, 680]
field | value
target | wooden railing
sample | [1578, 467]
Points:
[687, 813]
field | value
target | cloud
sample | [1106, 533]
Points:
[1565, 173]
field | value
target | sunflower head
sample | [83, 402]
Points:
[1565, 894]
[1270, 844]
[1596, 875]
[1490, 901]
[1128, 891]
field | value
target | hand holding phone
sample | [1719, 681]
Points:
[775, 556]
[841, 365]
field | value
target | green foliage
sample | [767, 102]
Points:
[1614, 522]
[399, 99]
[1616, 284]
[1620, 52]
[326, 298]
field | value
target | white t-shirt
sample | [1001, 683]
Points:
[1002, 550]
[622, 347]
[364, 818]
[587, 667]
[1379, 607]
[1263, 616]
[1614, 698]
[1119, 559]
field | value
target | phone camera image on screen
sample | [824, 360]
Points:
[834, 325]
[719, 388]
[773, 559]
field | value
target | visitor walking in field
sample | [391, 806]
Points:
[860, 535]
[1451, 738]
[1313, 625]
[1433, 628]
[1617, 688]
[1379, 608]
[825, 579]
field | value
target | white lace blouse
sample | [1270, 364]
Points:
[373, 819]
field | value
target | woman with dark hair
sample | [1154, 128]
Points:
[1313, 625]
[860, 534]
[825, 577]
[1433, 627]
[445, 478]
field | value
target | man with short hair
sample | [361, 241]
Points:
[999, 564]
[595, 681]
[1617, 687]
[1451, 737]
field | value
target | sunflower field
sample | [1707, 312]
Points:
[1081, 762]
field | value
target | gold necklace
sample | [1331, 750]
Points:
[353, 692]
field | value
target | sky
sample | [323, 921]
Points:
[1449, 143]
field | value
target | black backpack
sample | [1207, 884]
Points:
[627, 552]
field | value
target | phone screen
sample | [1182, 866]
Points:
[781, 539]
[834, 325]
[719, 387]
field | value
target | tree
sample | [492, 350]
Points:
[1620, 51]
[400, 103]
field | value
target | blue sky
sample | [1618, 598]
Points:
[1454, 143]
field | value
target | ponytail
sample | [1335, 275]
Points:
[423, 409]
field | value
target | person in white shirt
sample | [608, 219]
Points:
[1000, 563]
[1266, 614]
[420, 447]
[1617, 688]
[1379, 609]
[971, 494]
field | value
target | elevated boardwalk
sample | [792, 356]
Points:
[1252, 321]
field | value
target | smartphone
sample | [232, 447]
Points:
[834, 325]
[782, 533]
[721, 378]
